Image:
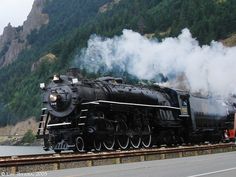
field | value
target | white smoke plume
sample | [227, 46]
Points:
[209, 68]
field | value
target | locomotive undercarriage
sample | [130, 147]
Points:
[105, 127]
[206, 136]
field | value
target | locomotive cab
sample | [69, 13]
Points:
[184, 105]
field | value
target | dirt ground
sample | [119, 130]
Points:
[20, 128]
[10, 135]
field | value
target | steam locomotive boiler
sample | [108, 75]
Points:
[106, 113]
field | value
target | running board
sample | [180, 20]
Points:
[59, 124]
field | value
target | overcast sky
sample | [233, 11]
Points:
[14, 11]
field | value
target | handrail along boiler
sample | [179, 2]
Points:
[106, 113]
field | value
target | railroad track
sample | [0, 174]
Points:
[46, 162]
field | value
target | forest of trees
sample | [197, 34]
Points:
[73, 22]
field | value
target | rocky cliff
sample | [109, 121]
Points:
[14, 40]
[108, 6]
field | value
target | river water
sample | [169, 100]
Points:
[22, 150]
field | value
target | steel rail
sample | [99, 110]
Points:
[8, 161]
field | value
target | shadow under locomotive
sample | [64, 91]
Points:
[105, 113]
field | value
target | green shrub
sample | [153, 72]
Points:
[28, 137]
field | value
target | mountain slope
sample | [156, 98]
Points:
[14, 40]
[52, 47]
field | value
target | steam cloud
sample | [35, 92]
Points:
[209, 68]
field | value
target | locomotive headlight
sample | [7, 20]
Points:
[53, 97]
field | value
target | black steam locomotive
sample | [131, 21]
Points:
[105, 113]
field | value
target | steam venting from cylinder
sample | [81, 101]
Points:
[207, 68]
